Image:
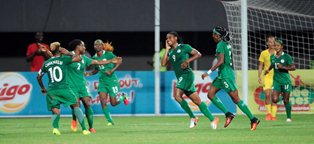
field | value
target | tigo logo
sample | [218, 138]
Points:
[15, 92]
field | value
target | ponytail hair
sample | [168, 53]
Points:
[223, 33]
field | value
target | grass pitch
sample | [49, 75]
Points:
[160, 130]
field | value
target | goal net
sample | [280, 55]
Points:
[291, 20]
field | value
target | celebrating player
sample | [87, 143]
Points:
[108, 81]
[264, 63]
[178, 55]
[226, 79]
[59, 91]
[282, 63]
[78, 82]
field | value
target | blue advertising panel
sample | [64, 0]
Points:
[20, 94]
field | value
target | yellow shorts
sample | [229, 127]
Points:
[268, 83]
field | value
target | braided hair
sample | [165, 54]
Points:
[223, 33]
[174, 33]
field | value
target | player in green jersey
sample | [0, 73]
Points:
[179, 56]
[282, 63]
[108, 81]
[78, 82]
[59, 91]
[226, 79]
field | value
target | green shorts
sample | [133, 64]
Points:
[285, 88]
[185, 82]
[60, 96]
[110, 88]
[228, 84]
[81, 91]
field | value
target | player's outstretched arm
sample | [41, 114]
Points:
[269, 69]
[109, 72]
[76, 58]
[165, 58]
[40, 82]
[195, 55]
[114, 60]
[288, 68]
[221, 57]
[93, 72]
[259, 73]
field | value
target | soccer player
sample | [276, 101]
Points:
[282, 63]
[78, 82]
[108, 81]
[179, 56]
[59, 91]
[267, 81]
[226, 79]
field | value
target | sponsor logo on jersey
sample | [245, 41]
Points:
[282, 61]
[15, 92]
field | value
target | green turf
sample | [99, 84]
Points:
[165, 130]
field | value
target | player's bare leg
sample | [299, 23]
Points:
[204, 109]
[89, 113]
[217, 102]
[287, 103]
[185, 106]
[275, 100]
[244, 108]
[114, 101]
[103, 100]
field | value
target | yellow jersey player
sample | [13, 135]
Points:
[267, 80]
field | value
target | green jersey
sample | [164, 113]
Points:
[225, 70]
[56, 67]
[281, 76]
[106, 55]
[177, 56]
[76, 72]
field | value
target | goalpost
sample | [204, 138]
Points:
[291, 20]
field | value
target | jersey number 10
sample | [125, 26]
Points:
[53, 75]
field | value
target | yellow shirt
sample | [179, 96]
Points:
[265, 58]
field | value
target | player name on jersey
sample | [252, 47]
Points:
[54, 62]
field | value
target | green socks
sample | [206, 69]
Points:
[90, 116]
[186, 108]
[205, 111]
[80, 116]
[245, 109]
[107, 114]
[55, 120]
[217, 102]
[288, 110]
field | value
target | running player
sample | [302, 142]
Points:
[282, 63]
[267, 81]
[59, 91]
[108, 81]
[226, 79]
[78, 82]
[179, 56]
